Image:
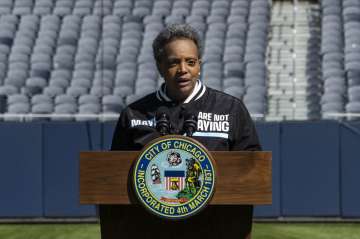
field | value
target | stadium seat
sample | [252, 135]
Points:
[42, 108]
[43, 7]
[100, 91]
[235, 91]
[87, 111]
[18, 108]
[65, 108]
[230, 82]
[5, 7]
[103, 7]
[22, 7]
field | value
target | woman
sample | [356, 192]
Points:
[223, 123]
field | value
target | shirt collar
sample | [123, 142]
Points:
[197, 93]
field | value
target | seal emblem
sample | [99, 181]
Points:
[174, 177]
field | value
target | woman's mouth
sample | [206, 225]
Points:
[183, 81]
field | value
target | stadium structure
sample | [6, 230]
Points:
[68, 68]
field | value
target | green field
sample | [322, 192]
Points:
[306, 231]
[260, 231]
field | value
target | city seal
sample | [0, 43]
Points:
[174, 177]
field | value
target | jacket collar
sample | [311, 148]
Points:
[197, 93]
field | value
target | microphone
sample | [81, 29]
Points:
[190, 124]
[162, 120]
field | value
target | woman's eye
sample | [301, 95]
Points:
[191, 62]
[172, 63]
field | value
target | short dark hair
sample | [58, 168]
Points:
[173, 32]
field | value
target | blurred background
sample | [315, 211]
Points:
[68, 67]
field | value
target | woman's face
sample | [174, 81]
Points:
[180, 67]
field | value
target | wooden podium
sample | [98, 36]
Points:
[243, 178]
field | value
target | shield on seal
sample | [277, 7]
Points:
[174, 180]
[184, 187]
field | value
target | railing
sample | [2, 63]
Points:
[31, 117]
[80, 117]
[341, 115]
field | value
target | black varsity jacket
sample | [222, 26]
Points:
[223, 123]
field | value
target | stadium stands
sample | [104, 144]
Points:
[92, 57]
[340, 58]
[293, 59]
[351, 24]
[102, 48]
[332, 50]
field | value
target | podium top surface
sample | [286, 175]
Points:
[243, 177]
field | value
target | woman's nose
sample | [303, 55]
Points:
[182, 67]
